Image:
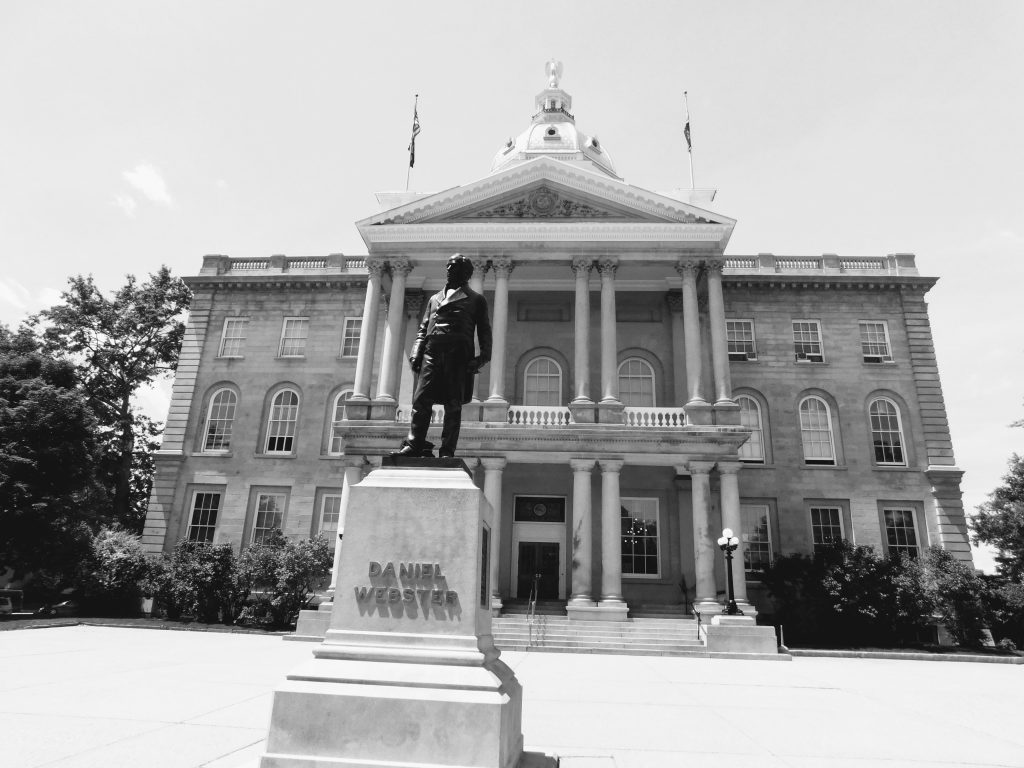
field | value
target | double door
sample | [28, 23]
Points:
[538, 562]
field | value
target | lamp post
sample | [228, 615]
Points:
[728, 544]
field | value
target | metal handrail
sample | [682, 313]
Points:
[531, 610]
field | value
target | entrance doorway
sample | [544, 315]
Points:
[539, 558]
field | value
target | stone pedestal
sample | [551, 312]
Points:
[740, 636]
[611, 413]
[494, 410]
[583, 412]
[408, 674]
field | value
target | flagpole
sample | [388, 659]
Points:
[412, 145]
[686, 132]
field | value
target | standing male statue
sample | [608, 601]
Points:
[442, 356]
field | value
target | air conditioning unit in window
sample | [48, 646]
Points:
[872, 358]
[801, 357]
[751, 355]
[738, 356]
[815, 359]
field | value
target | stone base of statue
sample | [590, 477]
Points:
[740, 637]
[408, 674]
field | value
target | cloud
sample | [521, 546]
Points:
[17, 301]
[126, 203]
[147, 180]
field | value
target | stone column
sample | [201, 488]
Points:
[367, 332]
[732, 518]
[611, 601]
[675, 307]
[493, 469]
[502, 269]
[691, 328]
[476, 282]
[353, 474]
[704, 547]
[582, 535]
[609, 342]
[719, 344]
[386, 389]
[413, 313]
[581, 267]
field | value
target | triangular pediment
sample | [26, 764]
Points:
[545, 191]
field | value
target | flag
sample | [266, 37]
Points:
[686, 128]
[415, 132]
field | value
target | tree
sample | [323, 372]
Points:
[49, 499]
[114, 571]
[1000, 522]
[120, 343]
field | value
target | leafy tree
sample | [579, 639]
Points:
[197, 580]
[48, 457]
[114, 571]
[961, 596]
[1000, 522]
[281, 575]
[121, 343]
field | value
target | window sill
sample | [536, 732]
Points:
[274, 456]
[841, 467]
[347, 357]
[894, 468]
[871, 364]
[756, 465]
[291, 357]
[215, 454]
[230, 357]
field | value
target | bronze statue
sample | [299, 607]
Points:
[442, 357]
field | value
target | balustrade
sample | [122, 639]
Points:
[539, 416]
[654, 417]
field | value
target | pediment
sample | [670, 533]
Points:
[545, 191]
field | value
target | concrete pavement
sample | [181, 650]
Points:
[74, 697]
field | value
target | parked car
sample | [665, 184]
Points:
[6, 607]
[67, 608]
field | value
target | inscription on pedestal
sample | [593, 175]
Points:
[404, 573]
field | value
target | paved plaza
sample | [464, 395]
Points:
[103, 696]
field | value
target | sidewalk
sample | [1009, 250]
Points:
[72, 697]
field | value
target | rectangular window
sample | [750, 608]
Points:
[874, 341]
[640, 537]
[807, 342]
[900, 531]
[350, 336]
[826, 527]
[330, 513]
[757, 537]
[204, 517]
[232, 338]
[269, 515]
[293, 337]
[740, 337]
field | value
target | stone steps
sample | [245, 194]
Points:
[559, 634]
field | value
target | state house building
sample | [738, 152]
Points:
[646, 389]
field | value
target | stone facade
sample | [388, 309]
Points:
[646, 389]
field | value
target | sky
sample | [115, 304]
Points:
[140, 134]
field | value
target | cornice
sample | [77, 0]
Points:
[828, 282]
[589, 231]
[513, 178]
[274, 282]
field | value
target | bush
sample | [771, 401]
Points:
[962, 597]
[198, 580]
[278, 577]
[113, 572]
[849, 595]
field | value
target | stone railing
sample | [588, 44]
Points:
[539, 416]
[654, 417]
[307, 263]
[828, 263]
[248, 265]
[404, 415]
[335, 263]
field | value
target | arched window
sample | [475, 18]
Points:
[284, 413]
[886, 432]
[337, 416]
[816, 431]
[219, 418]
[543, 382]
[750, 417]
[636, 383]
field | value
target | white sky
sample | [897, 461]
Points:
[135, 134]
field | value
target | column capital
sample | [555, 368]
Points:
[700, 467]
[479, 264]
[502, 266]
[675, 303]
[582, 465]
[374, 266]
[687, 269]
[714, 267]
[413, 303]
[582, 265]
[729, 467]
[400, 266]
[607, 265]
[611, 465]
[493, 463]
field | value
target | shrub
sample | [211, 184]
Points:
[278, 577]
[961, 595]
[114, 571]
[198, 580]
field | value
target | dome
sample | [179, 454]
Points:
[553, 133]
